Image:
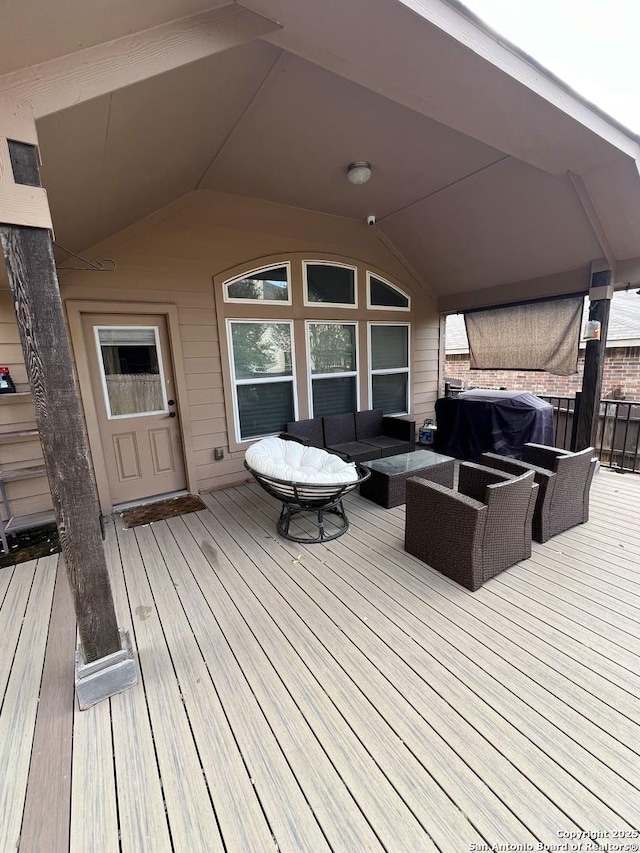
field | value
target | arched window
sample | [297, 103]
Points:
[265, 286]
[329, 284]
[385, 296]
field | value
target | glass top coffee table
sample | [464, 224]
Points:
[387, 484]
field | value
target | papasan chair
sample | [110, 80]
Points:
[308, 481]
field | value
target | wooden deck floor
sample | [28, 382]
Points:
[340, 697]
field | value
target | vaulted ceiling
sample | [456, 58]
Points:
[478, 180]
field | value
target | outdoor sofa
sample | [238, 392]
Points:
[356, 436]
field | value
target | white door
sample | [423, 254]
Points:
[134, 391]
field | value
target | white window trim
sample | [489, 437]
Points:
[258, 381]
[392, 370]
[324, 263]
[311, 376]
[103, 378]
[372, 307]
[248, 274]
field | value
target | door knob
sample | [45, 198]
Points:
[171, 415]
[171, 402]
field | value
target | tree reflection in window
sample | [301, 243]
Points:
[269, 285]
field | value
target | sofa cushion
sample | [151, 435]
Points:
[308, 431]
[293, 462]
[339, 429]
[369, 424]
[390, 446]
[356, 451]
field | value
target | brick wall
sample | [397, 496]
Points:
[621, 378]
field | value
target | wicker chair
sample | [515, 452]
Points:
[312, 491]
[564, 479]
[475, 533]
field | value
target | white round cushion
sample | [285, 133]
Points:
[292, 461]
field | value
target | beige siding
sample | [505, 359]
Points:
[172, 257]
[16, 415]
[426, 345]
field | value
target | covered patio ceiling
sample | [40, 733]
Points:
[490, 178]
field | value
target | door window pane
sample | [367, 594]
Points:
[270, 285]
[261, 349]
[131, 370]
[389, 347]
[330, 284]
[389, 392]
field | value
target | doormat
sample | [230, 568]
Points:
[31, 544]
[148, 513]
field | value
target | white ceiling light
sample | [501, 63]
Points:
[359, 172]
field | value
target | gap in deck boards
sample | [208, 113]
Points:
[31, 544]
[139, 515]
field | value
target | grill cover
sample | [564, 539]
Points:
[480, 421]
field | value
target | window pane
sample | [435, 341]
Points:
[327, 283]
[390, 393]
[389, 347]
[269, 284]
[334, 396]
[261, 349]
[332, 347]
[380, 293]
[131, 370]
[264, 408]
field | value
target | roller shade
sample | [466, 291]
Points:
[530, 336]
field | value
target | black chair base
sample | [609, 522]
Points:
[314, 500]
[316, 517]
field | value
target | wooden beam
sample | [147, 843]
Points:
[20, 205]
[70, 80]
[31, 269]
[592, 215]
[588, 416]
[17, 121]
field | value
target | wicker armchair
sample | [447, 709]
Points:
[475, 533]
[564, 479]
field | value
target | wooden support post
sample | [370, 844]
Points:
[31, 269]
[600, 295]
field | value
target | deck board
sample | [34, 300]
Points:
[142, 820]
[340, 697]
[435, 751]
[186, 798]
[17, 719]
[556, 756]
[257, 713]
[341, 718]
[50, 770]
[238, 811]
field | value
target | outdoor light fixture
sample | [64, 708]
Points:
[359, 172]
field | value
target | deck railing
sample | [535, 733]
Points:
[618, 436]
